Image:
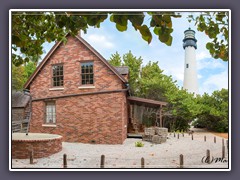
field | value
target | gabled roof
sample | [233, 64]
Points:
[123, 70]
[19, 99]
[46, 58]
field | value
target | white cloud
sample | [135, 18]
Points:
[215, 82]
[100, 41]
[202, 55]
[210, 64]
[199, 76]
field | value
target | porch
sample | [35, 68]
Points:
[144, 113]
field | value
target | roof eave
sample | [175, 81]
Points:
[102, 58]
[27, 84]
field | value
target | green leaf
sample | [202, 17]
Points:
[209, 45]
[164, 34]
[121, 28]
[15, 39]
[92, 20]
[136, 20]
[166, 18]
[112, 18]
[146, 34]
[152, 23]
[157, 19]
[169, 42]
[120, 19]
[156, 30]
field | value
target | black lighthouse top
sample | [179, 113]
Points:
[189, 39]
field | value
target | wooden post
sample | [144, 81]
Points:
[214, 139]
[222, 141]
[192, 136]
[102, 161]
[160, 116]
[223, 151]
[64, 160]
[181, 161]
[208, 156]
[31, 156]
[178, 135]
[174, 134]
[142, 162]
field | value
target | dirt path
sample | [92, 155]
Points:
[203, 130]
[223, 135]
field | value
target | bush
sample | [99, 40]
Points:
[139, 144]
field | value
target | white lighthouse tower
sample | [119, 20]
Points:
[190, 82]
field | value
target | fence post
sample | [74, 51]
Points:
[214, 139]
[205, 138]
[181, 161]
[178, 135]
[192, 136]
[222, 141]
[208, 156]
[31, 156]
[142, 162]
[102, 161]
[64, 160]
[223, 151]
[174, 134]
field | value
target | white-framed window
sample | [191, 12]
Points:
[87, 73]
[57, 75]
[50, 112]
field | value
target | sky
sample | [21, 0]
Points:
[212, 73]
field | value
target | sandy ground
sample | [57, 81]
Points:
[223, 135]
[165, 155]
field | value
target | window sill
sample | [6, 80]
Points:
[49, 125]
[56, 89]
[86, 87]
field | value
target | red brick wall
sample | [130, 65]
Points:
[41, 148]
[71, 54]
[93, 118]
[100, 118]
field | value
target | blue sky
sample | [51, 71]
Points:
[212, 73]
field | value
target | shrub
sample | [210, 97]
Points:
[139, 144]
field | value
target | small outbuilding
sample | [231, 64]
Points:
[20, 111]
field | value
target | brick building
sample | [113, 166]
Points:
[76, 93]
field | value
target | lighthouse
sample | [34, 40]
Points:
[190, 82]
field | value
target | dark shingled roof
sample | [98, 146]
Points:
[122, 70]
[19, 99]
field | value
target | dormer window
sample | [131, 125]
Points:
[87, 74]
[57, 75]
